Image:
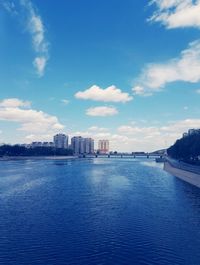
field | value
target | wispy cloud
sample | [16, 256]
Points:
[177, 13]
[65, 101]
[109, 94]
[9, 6]
[102, 111]
[183, 68]
[35, 27]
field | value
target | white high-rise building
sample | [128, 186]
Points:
[88, 145]
[75, 144]
[60, 141]
[82, 145]
[103, 146]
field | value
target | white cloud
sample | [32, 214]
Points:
[177, 13]
[97, 129]
[40, 64]
[65, 101]
[150, 138]
[198, 91]
[140, 91]
[136, 130]
[96, 135]
[101, 111]
[135, 137]
[9, 7]
[109, 94]
[31, 121]
[183, 68]
[39, 138]
[182, 125]
[35, 27]
[14, 103]
[37, 30]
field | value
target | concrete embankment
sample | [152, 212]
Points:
[187, 176]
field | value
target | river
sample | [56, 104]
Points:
[96, 211]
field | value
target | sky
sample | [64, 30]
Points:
[126, 71]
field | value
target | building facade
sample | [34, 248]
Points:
[88, 145]
[103, 146]
[60, 141]
[81, 145]
[40, 144]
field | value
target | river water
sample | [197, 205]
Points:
[96, 211]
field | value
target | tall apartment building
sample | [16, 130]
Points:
[103, 146]
[75, 144]
[88, 145]
[82, 145]
[60, 140]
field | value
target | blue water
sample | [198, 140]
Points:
[96, 211]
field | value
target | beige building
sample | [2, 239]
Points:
[103, 146]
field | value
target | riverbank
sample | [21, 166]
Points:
[6, 158]
[187, 176]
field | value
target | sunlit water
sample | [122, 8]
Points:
[96, 211]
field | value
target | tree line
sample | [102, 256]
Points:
[186, 149]
[17, 150]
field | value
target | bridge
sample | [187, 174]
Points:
[122, 155]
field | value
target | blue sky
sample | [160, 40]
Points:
[125, 71]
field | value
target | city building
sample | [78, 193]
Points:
[75, 144]
[41, 144]
[81, 145]
[60, 140]
[48, 144]
[36, 144]
[88, 145]
[103, 146]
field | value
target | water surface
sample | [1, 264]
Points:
[96, 211]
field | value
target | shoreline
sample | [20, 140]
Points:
[37, 158]
[184, 175]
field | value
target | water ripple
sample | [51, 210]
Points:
[96, 211]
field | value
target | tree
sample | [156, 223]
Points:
[186, 149]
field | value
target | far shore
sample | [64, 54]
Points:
[5, 158]
[187, 176]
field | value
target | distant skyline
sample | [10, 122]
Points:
[126, 71]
